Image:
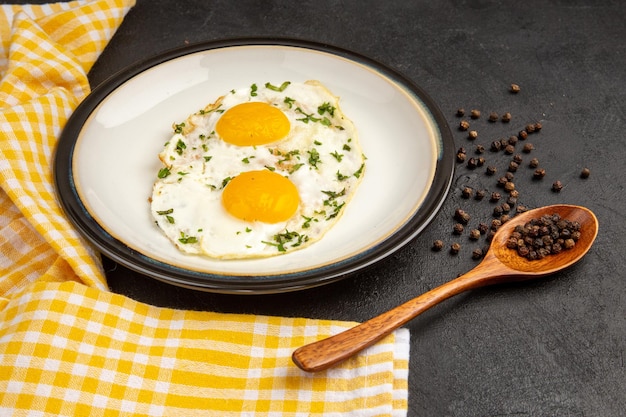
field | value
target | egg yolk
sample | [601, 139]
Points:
[252, 123]
[261, 196]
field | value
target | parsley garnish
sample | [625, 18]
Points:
[314, 157]
[164, 172]
[185, 239]
[180, 147]
[253, 89]
[280, 89]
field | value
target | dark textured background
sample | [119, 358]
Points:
[553, 347]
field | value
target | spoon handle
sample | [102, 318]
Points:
[323, 354]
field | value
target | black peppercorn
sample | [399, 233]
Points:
[509, 149]
[495, 196]
[528, 147]
[460, 157]
[496, 145]
[497, 211]
[455, 248]
[509, 186]
[480, 149]
[467, 192]
[472, 135]
[538, 126]
[461, 216]
[557, 186]
[464, 125]
[506, 117]
[513, 166]
[539, 173]
[493, 116]
[491, 170]
[480, 161]
[585, 173]
[437, 245]
[509, 176]
[475, 114]
[477, 253]
[474, 234]
[513, 140]
[517, 158]
[530, 128]
[480, 194]
[460, 112]
[483, 228]
[534, 163]
[522, 135]
[472, 163]
[458, 228]
[514, 88]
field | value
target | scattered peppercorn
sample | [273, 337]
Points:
[522, 135]
[513, 140]
[480, 194]
[480, 149]
[530, 128]
[513, 166]
[496, 145]
[506, 117]
[464, 125]
[475, 114]
[509, 186]
[483, 228]
[477, 253]
[514, 88]
[455, 248]
[493, 116]
[460, 112]
[467, 192]
[509, 176]
[437, 245]
[495, 196]
[491, 170]
[462, 216]
[509, 149]
[458, 228]
[557, 186]
[539, 173]
[460, 157]
[474, 234]
[585, 173]
[472, 163]
[472, 135]
[538, 126]
[534, 163]
[480, 161]
[517, 158]
[528, 148]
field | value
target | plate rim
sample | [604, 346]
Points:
[119, 252]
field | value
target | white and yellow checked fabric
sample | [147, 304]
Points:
[70, 347]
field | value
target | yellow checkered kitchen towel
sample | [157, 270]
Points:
[70, 347]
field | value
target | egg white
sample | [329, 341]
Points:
[320, 155]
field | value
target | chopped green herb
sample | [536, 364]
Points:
[341, 177]
[289, 101]
[346, 148]
[359, 172]
[293, 239]
[180, 146]
[164, 172]
[280, 89]
[271, 168]
[326, 108]
[225, 181]
[314, 157]
[253, 89]
[337, 156]
[186, 239]
[308, 117]
[333, 194]
[295, 167]
[207, 158]
[178, 128]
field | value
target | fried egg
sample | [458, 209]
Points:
[262, 171]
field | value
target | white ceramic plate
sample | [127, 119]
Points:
[107, 161]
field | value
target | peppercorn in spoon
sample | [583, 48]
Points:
[501, 264]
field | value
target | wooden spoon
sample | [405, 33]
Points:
[499, 265]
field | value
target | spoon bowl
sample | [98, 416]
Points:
[499, 265]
